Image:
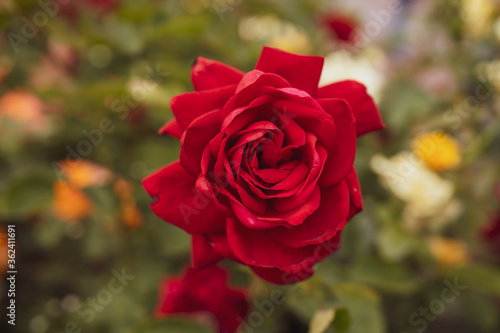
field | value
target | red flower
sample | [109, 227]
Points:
[491, 235]
[491, 232]
[204, 291]
[71, 11]
[342, 27]
[103, 6]
[265, 176]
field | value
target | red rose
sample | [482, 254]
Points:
[342, 27]
[204, 291]
[265, 176]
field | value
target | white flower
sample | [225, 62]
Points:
[425, 193]
[364, 68]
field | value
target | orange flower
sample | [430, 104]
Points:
[122, 188]
[24, 108]
[130, 214]
[70, 204]
[82, 173]
[448, 252]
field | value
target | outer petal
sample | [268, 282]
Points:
[204, 290]
[277, 276]
[171, 128]
[176, 201]
[189, 106]
[339, 164]
[356, 201]
[202, 253]
[248, 79]
[230, 311]
[294, 275]
[364, 109]
[196, 138]
[259, 248]
[323, 224]
[210, 74]
[303, 72]
[220, 245]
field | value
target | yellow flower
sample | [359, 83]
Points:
[438, 150]
[448, 252]
[70, 204]
[477, 16]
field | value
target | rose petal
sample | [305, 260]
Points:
[262, 189]
[242, 117]
[273, 176]
[251, 88]
[303, 72]
[196, 138]
[219, 243]
[315, 155]
[323, 224]
[205, 290]
[355, 198]
[339, 163]
[258, 247]
[277, 276]
[189, 106]
[304, 111]
[364, 109]
[249, 219]
[248, 79]
[176, 201]
[171, 128]
[251, 202]
[294, 134]
[209, 74]
[285, 188]
[202, 253]
[271, 218]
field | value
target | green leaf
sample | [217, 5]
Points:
[390, 277]
[342, 321]
[49, 233]
[364, 306]
[394, 245]
[481, 278]
[28, 193]
[173, 325]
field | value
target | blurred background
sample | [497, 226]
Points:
[85, 85]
